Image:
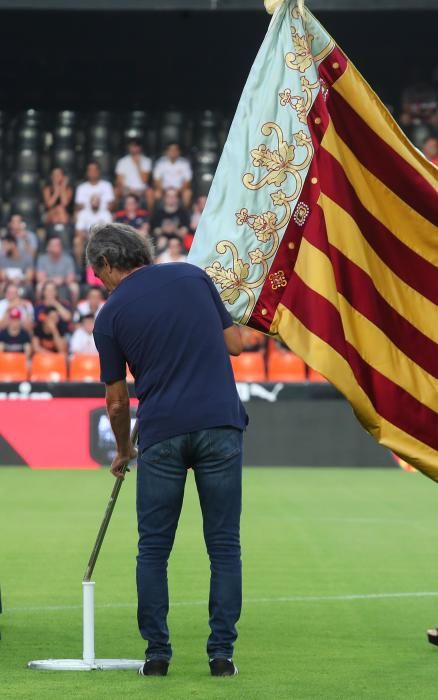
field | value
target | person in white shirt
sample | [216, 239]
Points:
[94, 214]
[82, 340]
[94, 186]
[92, 304]
[173, 253]
[173, 171]
[133, 172]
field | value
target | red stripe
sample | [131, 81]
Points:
[417, 272]
[390, 401]
[357, 287]
[381, 160]
[284, 260]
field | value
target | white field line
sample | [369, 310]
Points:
[285, 599]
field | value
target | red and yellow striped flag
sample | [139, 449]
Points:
[350, 281]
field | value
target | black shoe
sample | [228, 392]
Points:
[432, 635]
[223, 667]
[154, 667]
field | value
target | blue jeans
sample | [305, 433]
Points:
[216, 458]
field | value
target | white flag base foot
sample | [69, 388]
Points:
[88, 662]
[81, 665]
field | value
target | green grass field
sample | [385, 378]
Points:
[312, 540]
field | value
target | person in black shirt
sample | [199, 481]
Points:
[171, 211]
[49, 335]
[14, 338]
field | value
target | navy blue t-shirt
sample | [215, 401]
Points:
[167, 322]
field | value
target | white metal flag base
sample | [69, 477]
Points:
[88, 662]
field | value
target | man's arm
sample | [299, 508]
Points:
[117, 403]
[233, 340]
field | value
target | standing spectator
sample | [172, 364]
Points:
[82, 340]
[430, 149]
[57, 266]
[132, 215]
[27, 241]
[174, 252]
[57, 198]
[49, 334]
[49, 298]
[94, 186]
[87, 217]
[173, 171]
[14, 338]
[171, 211]
[13, 300]
[15, 266]
[93, 303]
[133, 172]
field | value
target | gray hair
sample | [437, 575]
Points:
[121, 245]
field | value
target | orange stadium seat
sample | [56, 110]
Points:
[48, 367]
[284, 366]
[315, 376]
[249, 367]
[84, 368]
[13, 367]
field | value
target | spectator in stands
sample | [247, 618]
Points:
[173, 212]
[49, 298]
[133, 215]
[173, 171]
[92, 304]
[27, 241]
[82, 340]
[430, 149]
[133, 172]
[57, 198]
[49, 334]
[87, 217]
[14, 338]
[419, 116]
[94, 186]
[57, 266]
[174, 252]
[15, 266]
[13, 300]
[197, 210]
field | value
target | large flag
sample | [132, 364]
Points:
[321, 228]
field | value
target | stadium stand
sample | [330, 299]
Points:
[84, 368]
[33, 144]
[249, 367]
[48, 367]
[13, 367]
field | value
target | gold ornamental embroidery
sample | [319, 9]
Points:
[280, 163]
[301, 213]
[282, 168]
[277, 280]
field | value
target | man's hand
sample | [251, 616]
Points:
[120, 461]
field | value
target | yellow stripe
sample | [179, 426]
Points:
[316, 271]
[405, 223]
[344, 233]
[318, 354]
[356, 91]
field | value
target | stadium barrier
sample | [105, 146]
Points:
[308, 425]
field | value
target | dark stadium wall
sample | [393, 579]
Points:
[188, 60]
